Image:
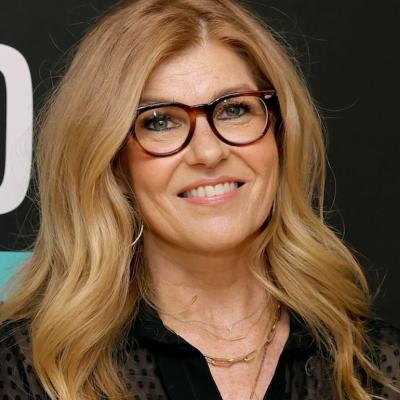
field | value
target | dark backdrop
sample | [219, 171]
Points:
[349, 53]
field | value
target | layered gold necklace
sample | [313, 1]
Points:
[229, 361]
[229, 328]
[267, 338]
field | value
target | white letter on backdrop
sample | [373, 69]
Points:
[19, 134]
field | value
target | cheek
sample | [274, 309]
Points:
[266, 161]
[263, 158]
[149, 175]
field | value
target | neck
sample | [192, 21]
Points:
[221, 283]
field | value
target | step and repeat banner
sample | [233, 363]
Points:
[35, 38]
[349, 54]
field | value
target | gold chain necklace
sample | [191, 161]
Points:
[267, 339]
[253, 389]
[227, 362]
[230, 329]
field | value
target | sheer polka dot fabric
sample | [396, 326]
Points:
[18, 380]
[307, 376]
[17, 377]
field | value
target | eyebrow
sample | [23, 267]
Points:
[146, 99]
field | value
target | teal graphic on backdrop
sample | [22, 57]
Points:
[10, 261]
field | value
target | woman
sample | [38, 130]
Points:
[182, 252]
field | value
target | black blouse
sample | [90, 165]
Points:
[158, 364]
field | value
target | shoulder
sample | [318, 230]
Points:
[386, 341]
[17, 377]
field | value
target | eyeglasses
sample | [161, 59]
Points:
[237, 119]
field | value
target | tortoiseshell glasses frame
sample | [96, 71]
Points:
[267, 96]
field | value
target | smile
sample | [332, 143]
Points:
[208, 191]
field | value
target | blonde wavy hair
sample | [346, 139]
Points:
[81, 287]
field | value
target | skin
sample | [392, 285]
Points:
[202, 251]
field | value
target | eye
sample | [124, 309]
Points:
[158, 122]
[232, 110]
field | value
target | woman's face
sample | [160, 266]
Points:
[201, 223]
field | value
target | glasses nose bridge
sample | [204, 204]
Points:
[200, 109]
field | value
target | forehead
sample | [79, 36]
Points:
[198, 74]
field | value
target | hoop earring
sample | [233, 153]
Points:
[140, 234]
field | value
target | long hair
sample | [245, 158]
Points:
[81, 287]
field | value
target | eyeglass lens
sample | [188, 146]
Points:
[239, 120]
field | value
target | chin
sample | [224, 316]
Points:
[215, 243]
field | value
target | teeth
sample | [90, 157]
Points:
[200, 191]
[219, 189]
[211, 191]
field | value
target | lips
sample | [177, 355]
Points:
[203, 183]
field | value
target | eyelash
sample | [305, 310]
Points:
[242, 105]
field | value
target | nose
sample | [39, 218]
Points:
[205, 148]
